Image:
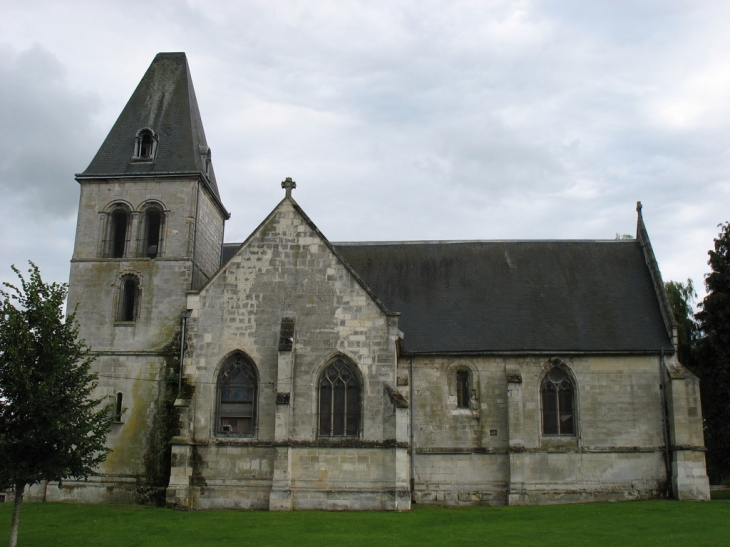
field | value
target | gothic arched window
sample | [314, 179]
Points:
[339, 401]
[558, 409]
[117, 229]
[237, 387]
[128, 299]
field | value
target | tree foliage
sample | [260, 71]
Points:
[682, 298]
[50, 426]
[712, 359]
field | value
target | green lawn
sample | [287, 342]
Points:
[661, 523]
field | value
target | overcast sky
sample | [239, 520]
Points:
[398, 120]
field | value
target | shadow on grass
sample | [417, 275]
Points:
[661, 523]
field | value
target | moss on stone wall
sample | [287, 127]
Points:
[157, 459]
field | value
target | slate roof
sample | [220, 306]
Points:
[165, 102]
[513, 296]
[516, 296]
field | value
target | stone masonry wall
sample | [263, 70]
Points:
[133, 355]
[208, 239]
[286, 270]
[481, 454]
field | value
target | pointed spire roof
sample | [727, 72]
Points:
[165, 103]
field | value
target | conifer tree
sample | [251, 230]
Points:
[50, 426]
[713, 358]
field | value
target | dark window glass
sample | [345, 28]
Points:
[462, 388]
[237, 385]
[557, 404]
[118, 234]
[118, 408]
[145, 145]
[286, 334]
[128, 300]
[339, 401]
[153, 224]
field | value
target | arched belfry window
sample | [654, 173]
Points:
[339, 400]
[237, 387]
[153, 222]
[145, 145]
[558, 408]
[128, 299]
[117, 232]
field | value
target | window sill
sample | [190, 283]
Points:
[468, 412]
[559, 443]
[124, 323]
[233, 439]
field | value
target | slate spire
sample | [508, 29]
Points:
[163, 104]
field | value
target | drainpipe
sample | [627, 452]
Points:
[665, 421]
[183, 322]
[412, 432]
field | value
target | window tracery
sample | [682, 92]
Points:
[339, 400]
[558, 408]
[237, 391]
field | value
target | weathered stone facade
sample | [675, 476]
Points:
[288, 372]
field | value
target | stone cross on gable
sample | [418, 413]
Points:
[289, 184]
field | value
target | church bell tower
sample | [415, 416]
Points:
[150, 228]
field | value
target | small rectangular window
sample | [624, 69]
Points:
[118, 409]
[286, 334]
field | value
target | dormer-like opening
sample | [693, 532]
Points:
[145, 145]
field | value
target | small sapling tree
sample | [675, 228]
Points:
[682, 298]
[50, 426]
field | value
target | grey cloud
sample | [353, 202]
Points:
[47, 131]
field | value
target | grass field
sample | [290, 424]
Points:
[648, 523]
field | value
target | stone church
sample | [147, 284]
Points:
[291, 372]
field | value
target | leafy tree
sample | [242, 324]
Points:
[681, 298]
[713, 357]
[50, 427]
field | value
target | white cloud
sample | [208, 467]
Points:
[405, 119]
